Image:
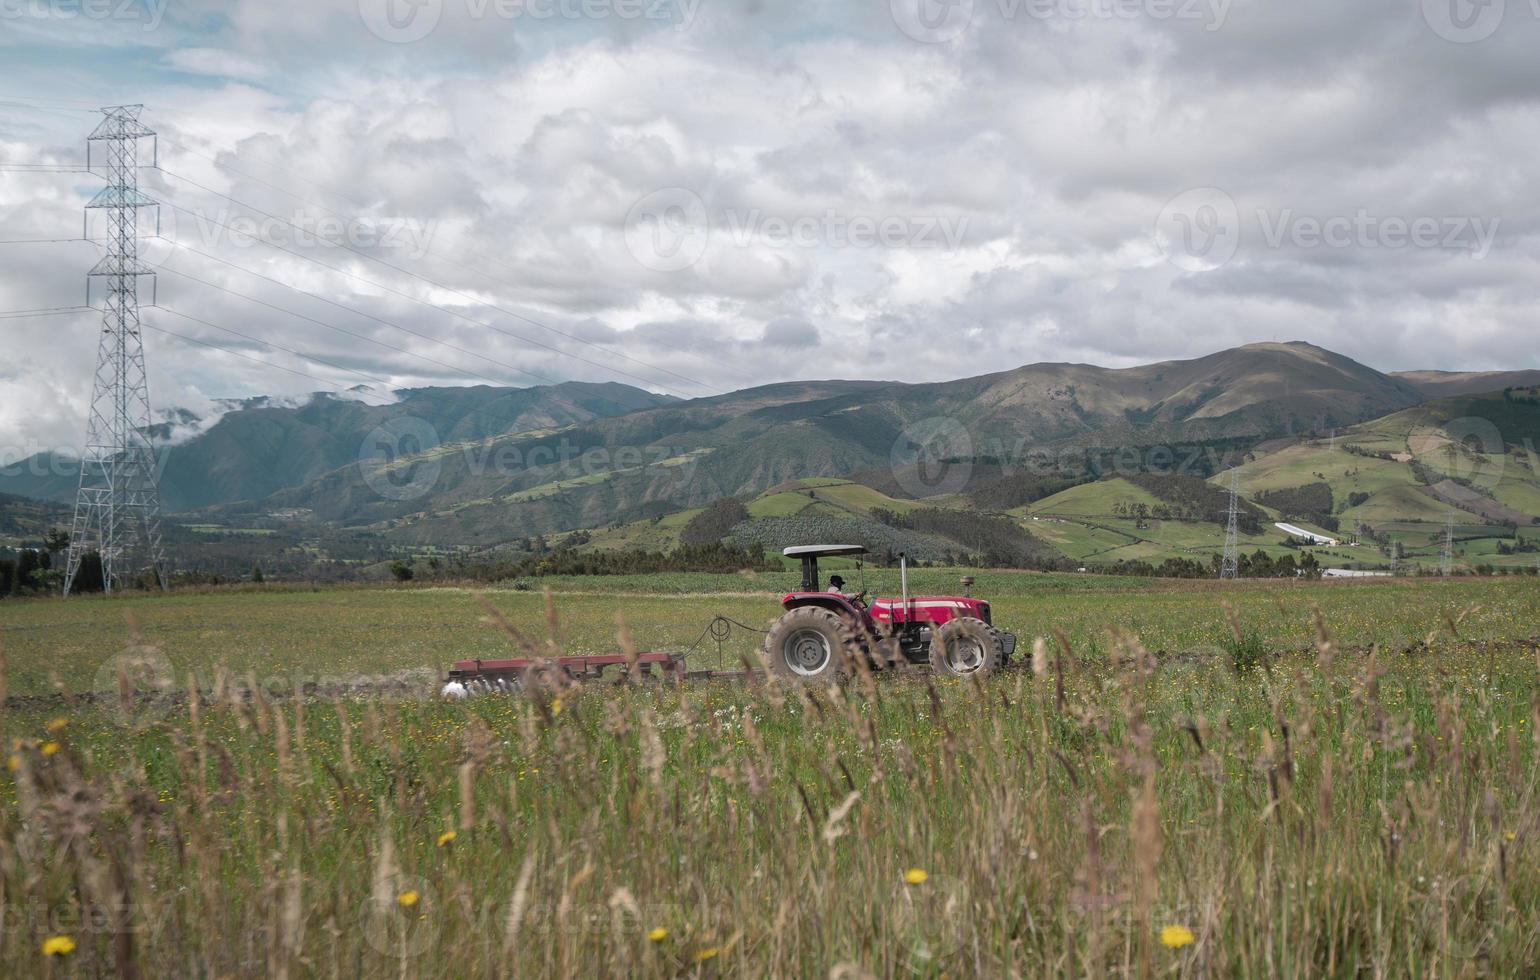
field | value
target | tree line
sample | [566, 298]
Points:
[1192, 498]
[719, 557]
[997, 542]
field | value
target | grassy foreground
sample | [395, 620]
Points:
[1104, 810]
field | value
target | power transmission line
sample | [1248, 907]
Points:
[42, 311]
[267, 343]
[408, 296]
[465, 266]
[446, 288]
[479, 412]
[356, 312]
[72, 105]
[50, 241]
[235, 353]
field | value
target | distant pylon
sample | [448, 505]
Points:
[117, 509]
[1446, 559]
[1230, 565]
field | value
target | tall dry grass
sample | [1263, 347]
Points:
[1342, 813]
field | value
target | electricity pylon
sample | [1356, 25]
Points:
[117, 509]
[1229, 567]
[1446, 559]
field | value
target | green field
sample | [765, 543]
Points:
[375, 631]
[780, 504]
[1297, 803]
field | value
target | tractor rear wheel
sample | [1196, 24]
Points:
[808, 645]
[966, 646]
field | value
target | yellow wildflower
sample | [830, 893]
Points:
[57, 725]
[556, 707]
[407, 899]
[915, 876]
[13, 763]
[49, 748]
[58, 946]
[657, 935]
[447, 837]
[1176, 936]
[709, 953]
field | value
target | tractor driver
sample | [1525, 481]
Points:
[837, 587]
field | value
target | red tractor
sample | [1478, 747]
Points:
[824, 630]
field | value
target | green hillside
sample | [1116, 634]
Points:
[819, 501]
[1104, 498]
[1403, 477]
[25, 523]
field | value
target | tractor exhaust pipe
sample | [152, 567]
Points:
[903, 584]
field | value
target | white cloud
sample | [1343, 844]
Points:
[1049, 146]
[215, 62]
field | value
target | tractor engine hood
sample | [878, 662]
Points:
[929, 609]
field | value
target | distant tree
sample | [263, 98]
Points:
[1311, 502]
[88, 577]
[256, 574]
[401, 570]
[713, 524]
[28, 564]
[58, 540]
[995, 541]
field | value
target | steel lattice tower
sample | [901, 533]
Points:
[1230, 566]
[117, 509]
[1446, 558]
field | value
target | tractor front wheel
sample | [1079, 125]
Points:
[808, 644]
[965, 646]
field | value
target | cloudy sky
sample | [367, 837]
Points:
[698, 195]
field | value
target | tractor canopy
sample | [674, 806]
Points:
[810, 553]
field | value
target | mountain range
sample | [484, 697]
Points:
[500, 464]
[262, 446]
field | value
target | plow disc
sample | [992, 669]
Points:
[469, 677]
